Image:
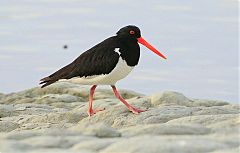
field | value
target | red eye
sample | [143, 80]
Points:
[132, 32]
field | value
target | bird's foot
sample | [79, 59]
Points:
[92, 112]
[135, 110]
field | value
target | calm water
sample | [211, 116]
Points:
[200, 39]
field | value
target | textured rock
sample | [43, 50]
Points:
[234, 150]
[208, 103]
[156, 144]
[6, 110]
[53, 141]
[100, 130]
[170, 98]
[165, 129]
[7, 126]
[13, 146]
[94, 145]
[204, 119]
[54, 119]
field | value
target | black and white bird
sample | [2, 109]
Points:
[105, 64]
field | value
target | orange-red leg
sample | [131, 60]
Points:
[132, 109]
[90, 110]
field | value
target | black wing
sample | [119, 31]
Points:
[101, 59]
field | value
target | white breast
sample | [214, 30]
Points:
[119, 72]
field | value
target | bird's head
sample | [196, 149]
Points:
[133, 33]
[129, 32]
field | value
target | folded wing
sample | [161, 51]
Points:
[101, 59]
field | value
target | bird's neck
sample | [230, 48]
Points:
[130, 51]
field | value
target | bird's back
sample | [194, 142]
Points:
[100, 59]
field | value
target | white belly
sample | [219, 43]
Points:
[119, 72]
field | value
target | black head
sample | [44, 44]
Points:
[131, 35]
[129, 32]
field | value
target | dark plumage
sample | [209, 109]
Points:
[105, 64]
[100, 59]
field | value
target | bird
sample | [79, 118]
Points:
[104, 64]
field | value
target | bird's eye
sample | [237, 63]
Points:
[132, 32]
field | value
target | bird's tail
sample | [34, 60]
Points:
[63, 73]
[47, 81]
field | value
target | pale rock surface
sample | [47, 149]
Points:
[156, 144]
[7, 126]
[170, 98]
[100, 130]
[54, 119]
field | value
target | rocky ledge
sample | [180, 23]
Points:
[54, 119]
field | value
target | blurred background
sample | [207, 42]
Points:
[200, 39]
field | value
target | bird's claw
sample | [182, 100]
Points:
[136, 111]
[91, 112]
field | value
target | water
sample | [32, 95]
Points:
[200, 39]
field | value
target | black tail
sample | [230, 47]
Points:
[46, 81]
[63, 73]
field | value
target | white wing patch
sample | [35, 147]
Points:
[117, 51]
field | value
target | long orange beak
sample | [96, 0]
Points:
[145, 43]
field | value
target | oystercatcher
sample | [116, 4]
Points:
[104, 64]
